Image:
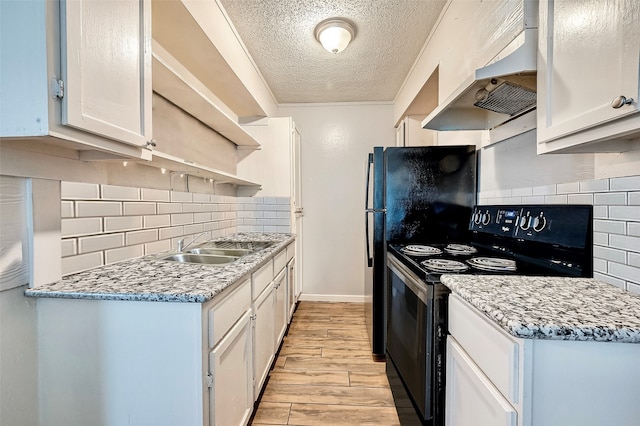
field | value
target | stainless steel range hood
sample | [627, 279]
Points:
[495, 94]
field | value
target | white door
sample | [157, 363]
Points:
[471, 398]
[231, 396]
[106, 68]
[589, 55]
[298, 211]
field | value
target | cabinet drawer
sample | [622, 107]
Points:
[280, 261]
[493, 351]
[223, 315]
[261, 279]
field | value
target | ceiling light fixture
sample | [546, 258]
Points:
[335, 34]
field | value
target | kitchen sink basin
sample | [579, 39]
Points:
[199, 258]
[219, 251]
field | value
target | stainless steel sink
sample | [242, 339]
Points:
[199, 258]
[219, 251]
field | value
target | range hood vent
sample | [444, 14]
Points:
[495, 94]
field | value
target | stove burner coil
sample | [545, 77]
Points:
[494, 264]
[418, 250]
[460, 249]
[444, 265]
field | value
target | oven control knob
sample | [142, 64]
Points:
[486, 218]
[525, 222]
[477, 217]
[539, 223]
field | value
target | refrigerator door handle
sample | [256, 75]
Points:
[367, 210]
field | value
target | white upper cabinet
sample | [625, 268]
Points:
[106, 67]
[78, 71]
[588, 64]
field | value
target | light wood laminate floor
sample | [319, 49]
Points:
[324, 374]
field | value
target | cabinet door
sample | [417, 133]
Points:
[263, 341]
[106, 68]
[231, 397]
[291, 288]
[471, 399]
[589, 55]
[281, 308]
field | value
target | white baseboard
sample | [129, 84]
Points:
[331, 298]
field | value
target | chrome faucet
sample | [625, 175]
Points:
[182, 245]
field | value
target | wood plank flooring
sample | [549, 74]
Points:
[324, 374]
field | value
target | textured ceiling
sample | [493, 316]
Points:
[279, 35]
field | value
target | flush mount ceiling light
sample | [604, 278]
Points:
[335, 34]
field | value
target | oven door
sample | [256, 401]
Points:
[410, 333]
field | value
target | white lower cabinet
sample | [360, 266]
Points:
[231, 375]
[495, 379]
[471, 398]
[263, 341]
[280, 305]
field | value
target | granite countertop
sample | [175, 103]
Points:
[149, 279]
[552, 307]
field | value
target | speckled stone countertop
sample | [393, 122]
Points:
[150, 279]
[552, 307]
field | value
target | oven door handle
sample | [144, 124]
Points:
[408, 278]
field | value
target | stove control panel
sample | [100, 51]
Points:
[566, 225]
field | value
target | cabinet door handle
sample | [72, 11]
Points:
[620, 101]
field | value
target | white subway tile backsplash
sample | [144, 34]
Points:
[79, 191]
[599, 265]
[139, 237]
[201, 198]
[283, 229]
[211, 226]
[147, 194]
[629, 183]
[181, 197]
[556, 199]
[191, 208]
[283, 200]
[624, 213]
[625, 272]
[80, 263]
[610, 199]
[112, 192]
[98, 208]
[157, 246]
[122, 223]
[610, 280]
[80, 226]
[633, 259]
[600, 212]
[611, 254]
[166, 208]
[633, 288]
[172, 232]
[522, 192]
[157, 221]
[100, 242]
[580, 199]
[625, 242]
[139, 208]
[217, 199]
[633, 228]
[124, 253]
[196, 228]
[568, 188]
[67, 209]
[181, 219]
[231, 215]
[201, 217]
[610, 226]
[209, 207]
[598, 185]
[534, 199]
[634, 198]
[600, 238]
[69, 247]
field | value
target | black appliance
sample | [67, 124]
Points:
[412, 194]
[551, 240]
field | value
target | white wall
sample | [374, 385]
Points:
[335, 141]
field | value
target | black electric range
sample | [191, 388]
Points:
[545, 240]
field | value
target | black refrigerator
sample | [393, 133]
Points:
[413, 195]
